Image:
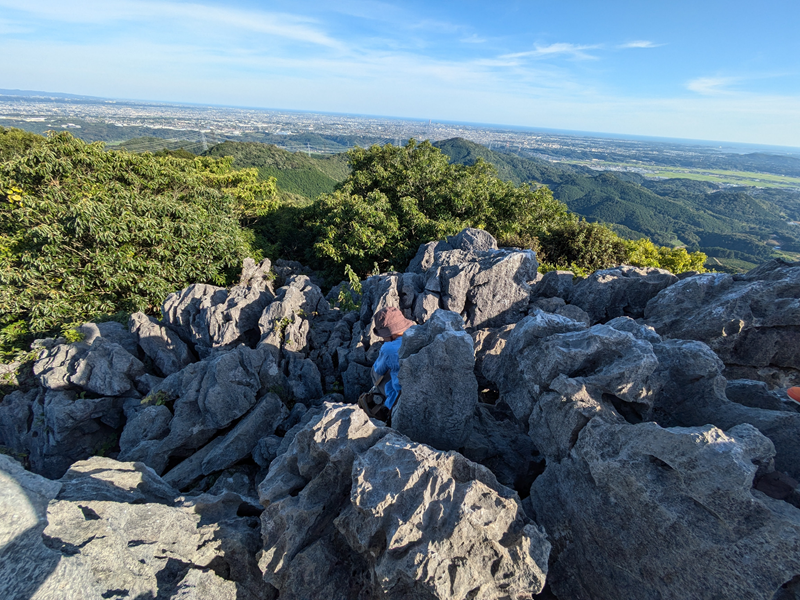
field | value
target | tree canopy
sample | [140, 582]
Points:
[399, 197]
[85, 232]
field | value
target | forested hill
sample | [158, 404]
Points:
[295, 172]
[731, 225]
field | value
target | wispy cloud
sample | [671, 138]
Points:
[293, 27]
[639, 44]
[711, 86]
[473, 39]
[557, 49]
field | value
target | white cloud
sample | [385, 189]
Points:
[640, 44]
[711, 86]
[282, 25]
[473, 39]
[572, 50]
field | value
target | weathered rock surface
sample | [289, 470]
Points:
[349, 514]
[164, 347]
[619, 292]
[544, 346]
[637, 511]
[103, 367]
[439, 388]
[95, 541]
[692, 392]
[400, 490]
[751, 321]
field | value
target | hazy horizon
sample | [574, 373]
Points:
[711, 72]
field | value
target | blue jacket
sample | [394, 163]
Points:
[388, 360]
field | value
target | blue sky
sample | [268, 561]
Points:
[699, 69]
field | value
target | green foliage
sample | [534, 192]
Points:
[159, 398]
[347, 296]
[398, 197]
[589, 246]
[85, 232]
[644, 253]
[15, 142]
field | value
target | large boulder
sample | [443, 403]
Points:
[163, 346]
[638, 511]
[691, 391]
[208, 396]
[439, 389]
[102, 367]
[751, 321]
[621, 291]
[544, 346]
[213, 317]
[469, 275]
[350, 514]
[478, 523]
[53, 429]
[110, 530]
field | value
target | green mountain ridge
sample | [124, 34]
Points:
[722, 223]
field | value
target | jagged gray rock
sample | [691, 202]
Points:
[305, 489]
[621, 291]
[181, 310]
[439, 388]
[637, 511]
[111, 331]
[478, 523]
[751, 321]
[691, 391]
[56, 428]
[240, 441]
[756, 394]
[103, 367]
[164, 347]
[332, 496]
[208, 396]
[96, 540]
[554, 284]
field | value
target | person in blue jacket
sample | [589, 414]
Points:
[390, 324]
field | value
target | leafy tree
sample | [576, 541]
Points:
[14, 142]
[589, 246]
[644, 253]
[398, 197]
[85, 232]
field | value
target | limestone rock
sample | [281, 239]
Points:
[554, 284]
[439, 388]
[756, 394]
[240, 441]
[305, 489]
[108, 480]
[691, 392]
[637, 511]
[621, 291]
[478, 523]
[164, 347]
[751, 321]
[103, 367]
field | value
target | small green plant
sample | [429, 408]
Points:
[70, 333]
[159, 398]
[347, 296]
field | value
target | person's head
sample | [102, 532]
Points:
[390, 323]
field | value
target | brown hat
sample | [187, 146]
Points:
[390, 322]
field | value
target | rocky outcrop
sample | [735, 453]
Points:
[619, 292]
[637, 511]
[349, 509]
[649, 473]
[110, 529]
[439, 390]
[751, 321]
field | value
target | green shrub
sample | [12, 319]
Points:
[589, 246]
[85, 232]
[399, 197]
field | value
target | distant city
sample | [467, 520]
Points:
[322, 133]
